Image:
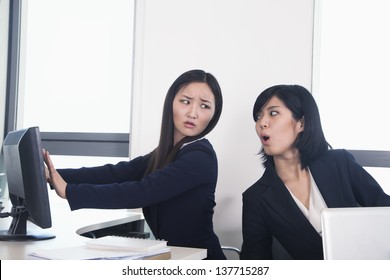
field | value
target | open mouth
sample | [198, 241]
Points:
[264, 139]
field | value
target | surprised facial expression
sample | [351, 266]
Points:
[277, 129]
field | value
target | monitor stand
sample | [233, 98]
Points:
[6, 236]
[18, 229]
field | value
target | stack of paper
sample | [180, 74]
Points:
[109, 248]
[126, 243]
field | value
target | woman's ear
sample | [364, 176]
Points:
[301, 124]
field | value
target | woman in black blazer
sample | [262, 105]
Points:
[175, 183]
[303, 175]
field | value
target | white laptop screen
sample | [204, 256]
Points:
[360, 233]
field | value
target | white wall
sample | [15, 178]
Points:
[4, 10]
[248, 45]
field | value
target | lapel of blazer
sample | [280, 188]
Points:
[279, 199]
[327, 181]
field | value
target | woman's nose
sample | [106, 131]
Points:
[263, 122]
[193, 113]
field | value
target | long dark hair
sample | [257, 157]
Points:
[166, 150]
[311, 142]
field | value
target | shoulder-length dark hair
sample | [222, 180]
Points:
[166, 150]
[311, 142]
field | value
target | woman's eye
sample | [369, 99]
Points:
[204, 106]
[273, 113]
[185, 101]
[258, 116]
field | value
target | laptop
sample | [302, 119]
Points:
[359, 233]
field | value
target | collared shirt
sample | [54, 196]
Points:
[185, 144]
[316, 205]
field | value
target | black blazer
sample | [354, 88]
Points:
[270, 211]
[177, 200]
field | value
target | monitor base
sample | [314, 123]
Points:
[5, 236]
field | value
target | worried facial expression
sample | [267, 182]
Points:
[277, 129]
[193, 109]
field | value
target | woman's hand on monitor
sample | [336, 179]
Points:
[53, 177]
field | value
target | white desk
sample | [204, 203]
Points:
[68, 225]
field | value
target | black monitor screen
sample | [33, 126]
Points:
[28, 189]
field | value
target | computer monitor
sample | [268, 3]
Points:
[27, 186]
[3, 183]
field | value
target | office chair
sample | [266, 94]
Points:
[231, 253]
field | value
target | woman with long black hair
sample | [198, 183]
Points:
[175, 183]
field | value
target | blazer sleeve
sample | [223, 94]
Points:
[365, 188]
[257, 241]
[192, 168]
[109, 173]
